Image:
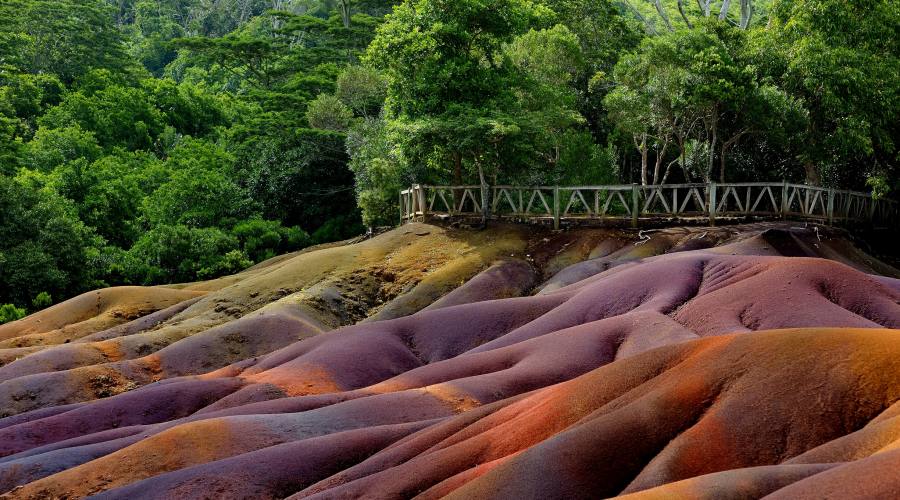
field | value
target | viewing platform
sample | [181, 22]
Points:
[635, 204]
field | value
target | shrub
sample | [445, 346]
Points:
[263, 239]
[43, 300]
[181, 253]
[338, 228]
[362, 89]
[9, 312]
[327, 112]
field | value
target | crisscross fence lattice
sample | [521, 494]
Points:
[633, 202]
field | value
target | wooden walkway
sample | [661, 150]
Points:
[632, 202]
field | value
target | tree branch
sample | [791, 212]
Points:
[683, 15]
[746, 13]
[705, 6]
[723, 12]
[668, 169]
[649, 27]
[345, 12]
[662, 14]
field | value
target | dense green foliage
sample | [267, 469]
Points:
[483, 91]
[9, 312]
[842, 59]
[157, 141]
[571, 91]
[152, 141]
[697, 89]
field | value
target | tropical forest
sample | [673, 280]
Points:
[473, 249]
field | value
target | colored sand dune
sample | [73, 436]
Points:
[735, 362]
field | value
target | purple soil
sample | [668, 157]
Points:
[716, 370]
[511, 278]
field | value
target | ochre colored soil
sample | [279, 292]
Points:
[513, 362]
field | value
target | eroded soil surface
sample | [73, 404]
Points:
[513, 362]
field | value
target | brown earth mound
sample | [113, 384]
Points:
[732, 362]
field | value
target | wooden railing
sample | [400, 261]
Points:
[634, 202]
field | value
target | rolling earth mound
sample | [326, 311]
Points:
[732, 362]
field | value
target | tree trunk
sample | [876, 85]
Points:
[660, 156]
[668, 170]
[722, 163]
[746, 13]
[725, 147]
[723, 12]
[643, 148]
[813, 178]
[704, 6]
[663, 15]
[485, 203]
[345, 12]
[647, 26]
[683, 15]
[714, 131]
[457, 179]
[683, 155]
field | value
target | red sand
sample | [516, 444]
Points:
[726, 363]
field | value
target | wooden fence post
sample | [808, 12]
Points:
[848, 200]
[784, 200]
[521, 203]
[555, 207]
[831, 207]
[635, 205]
[422, 204]
[485, 204]
[712, 203]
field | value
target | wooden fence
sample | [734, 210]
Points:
[634, 202]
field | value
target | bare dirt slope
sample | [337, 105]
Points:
[731, 362]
